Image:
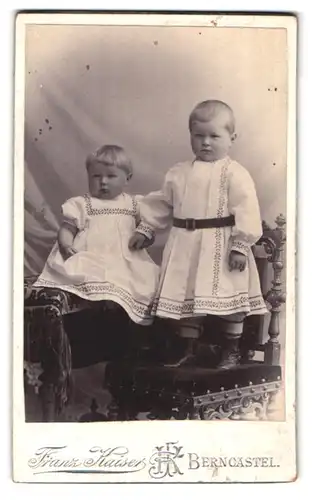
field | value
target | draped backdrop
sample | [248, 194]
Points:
[135, 86]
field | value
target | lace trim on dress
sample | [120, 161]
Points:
[110, 211]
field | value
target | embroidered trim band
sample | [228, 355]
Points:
[210, 305]
[146, 230]
[85, 290]
[218, 232]
[240, 246]
[110, 211]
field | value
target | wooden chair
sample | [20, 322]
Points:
[199, 392]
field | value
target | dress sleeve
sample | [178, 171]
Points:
[156, 209]
[73, 212]
[244, 205]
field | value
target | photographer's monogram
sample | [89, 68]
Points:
[164, 461]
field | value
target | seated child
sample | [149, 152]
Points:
[208, 266]
[91, 257]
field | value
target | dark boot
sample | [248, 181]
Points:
[185, 357]
[230, 354]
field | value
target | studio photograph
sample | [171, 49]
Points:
[155, 221]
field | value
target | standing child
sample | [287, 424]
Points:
[208, 267]
[91, 257]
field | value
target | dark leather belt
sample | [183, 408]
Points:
[192, 224]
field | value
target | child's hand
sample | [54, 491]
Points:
[237, 261]
[139, 241]
[67, 251]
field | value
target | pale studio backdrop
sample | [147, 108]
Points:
[135, 86]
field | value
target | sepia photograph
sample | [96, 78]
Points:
[155, 179]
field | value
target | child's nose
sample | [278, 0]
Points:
[206, 140]
[104, 180]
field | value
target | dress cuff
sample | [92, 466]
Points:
[146, 230]
[240, 246]
[70, 222]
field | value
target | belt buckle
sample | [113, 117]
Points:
[190, 224]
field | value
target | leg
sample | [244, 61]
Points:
[232, 331]
[56, 363]
[48, 402]
[272, 348]
[189, 331]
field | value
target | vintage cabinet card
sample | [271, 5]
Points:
[154, 300]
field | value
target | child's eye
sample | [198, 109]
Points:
[112, 176]
[215, 136]
[96, 176]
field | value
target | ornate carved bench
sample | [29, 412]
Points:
[136, 377]
[194, 393]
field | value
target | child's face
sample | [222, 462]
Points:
[211, 140]
[106, 182]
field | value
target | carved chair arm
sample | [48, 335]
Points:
[273, 240]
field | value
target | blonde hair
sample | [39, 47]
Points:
[206, 110]
[111, 155]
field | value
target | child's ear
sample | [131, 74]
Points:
[233, 137]
[129, 176]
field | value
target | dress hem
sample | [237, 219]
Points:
[112, 295]
[200, 306]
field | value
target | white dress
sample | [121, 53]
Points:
[104, 268]
[195, 278]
